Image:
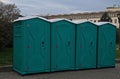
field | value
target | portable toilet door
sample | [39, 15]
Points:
[62, 45]
[31, 45]
[86, 39]
[106, 45]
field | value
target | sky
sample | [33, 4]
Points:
[50, 7]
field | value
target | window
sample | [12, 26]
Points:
[70, 19]
[115, 20]
[111, 21]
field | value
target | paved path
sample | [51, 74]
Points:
[109, 73]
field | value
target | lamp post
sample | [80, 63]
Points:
[118, 15]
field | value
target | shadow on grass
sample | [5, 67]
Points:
[6, 56]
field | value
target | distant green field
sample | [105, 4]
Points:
[6, 56]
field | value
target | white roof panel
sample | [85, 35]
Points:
[102, 23]
[80, 21]
[59, 19]
[55, 20]
[29, 17]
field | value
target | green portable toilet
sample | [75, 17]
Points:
[31, 45]
[62, 45]
[106, 44]
[86, 39]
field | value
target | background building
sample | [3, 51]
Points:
[91, 16]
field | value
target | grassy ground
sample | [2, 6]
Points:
[6, 56]
[118, 54]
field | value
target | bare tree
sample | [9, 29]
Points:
[8, 13]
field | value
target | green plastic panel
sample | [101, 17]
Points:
[62, 46]
[106, 45]
[32, 46]
[18, 45]
[86, 38]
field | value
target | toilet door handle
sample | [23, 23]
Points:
[68, 43]
[91, 43]
[111, 43]
[43, 43]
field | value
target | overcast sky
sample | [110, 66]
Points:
[44, 7]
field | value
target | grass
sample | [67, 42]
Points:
[117, 46]
[118, 54]
[6, 56]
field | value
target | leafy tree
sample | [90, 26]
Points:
[105, 17]
[8, 13]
